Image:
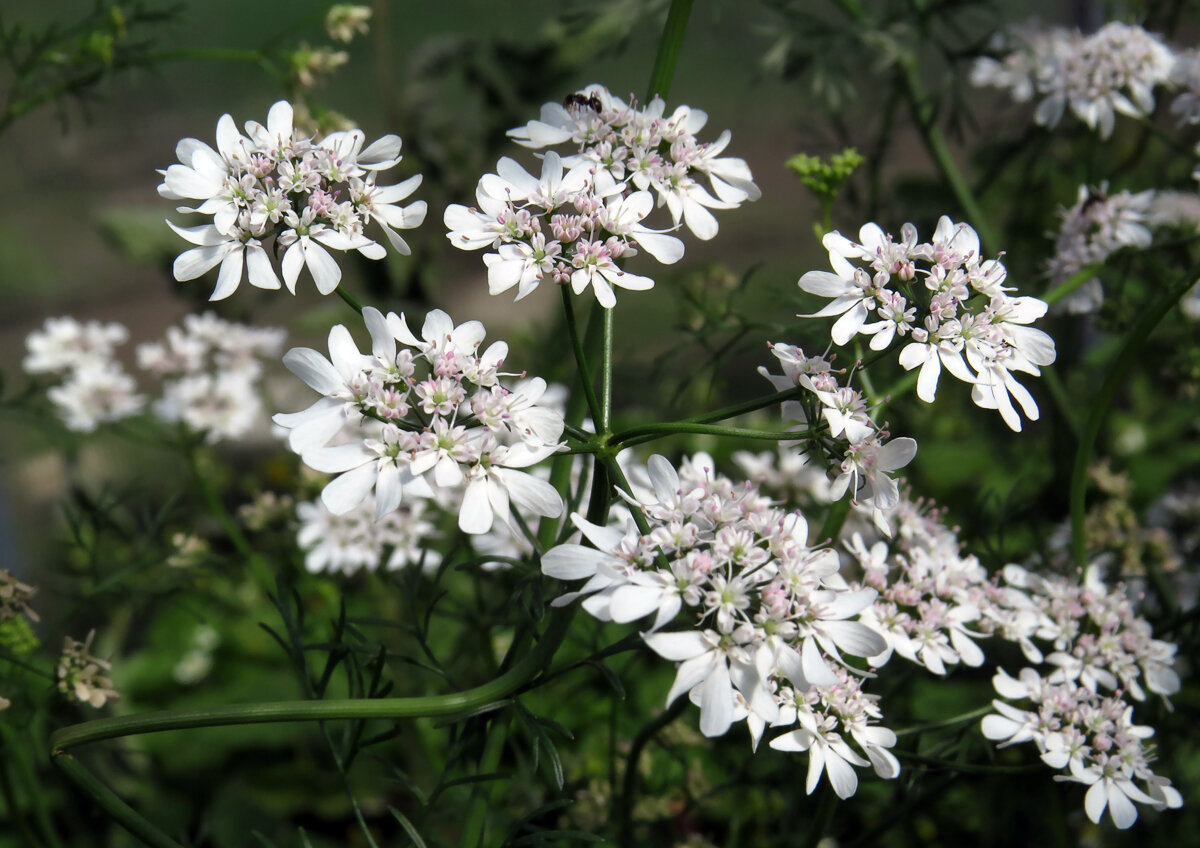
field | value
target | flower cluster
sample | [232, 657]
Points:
[864, 455]
[937, 604]
[343, 21]
[210, 370]
[345, 543]
[582, 217]
[95, 387]
[1090, 735]
[82, 677]
[980, 340]
[767, 618]
[1115, 69]
[15, 597]
[431, 416]
[275, 183]
[1098, 225]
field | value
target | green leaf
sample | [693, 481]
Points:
[408, 827]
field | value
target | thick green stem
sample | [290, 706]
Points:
[124, 814]
[275, 711]
[606, 374]
[352, 301]
[668, 49]
[536, 661]
[1104, 398]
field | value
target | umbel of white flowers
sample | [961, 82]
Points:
[430, 415]
[275, 183]
[578, 221]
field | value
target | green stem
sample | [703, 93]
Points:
[1072, 282]
[1104, 398]
[901, 387]
[835, 520]
[629, 780]
[964, 768]
[606, 374]
[352, 301]
[124, 814]
[947, 722]
[493, 749]
[275, 711]
[638, 435]
[1060, 398]
[716, 415]
[935, 142]
[585, 374]
[668, 49]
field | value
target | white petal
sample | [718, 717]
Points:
[349, 490]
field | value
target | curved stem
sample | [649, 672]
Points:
[350, 708]
[742, 408]
[124, 814]
[629, 779]
[668, 49]
[1104, 398]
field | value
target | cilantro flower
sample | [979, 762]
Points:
[274, 185]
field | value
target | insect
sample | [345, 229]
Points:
[580, 102]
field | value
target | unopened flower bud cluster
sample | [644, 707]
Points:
[578, 222]
[15, 597]
[437, 418]
[274, 183]
[767, 619]
[82, 677]
[930, 293]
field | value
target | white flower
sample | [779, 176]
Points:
[94, 394]
[276, 184]
[583, 216]
[1114, 69]
[232, 252]
[64, 344]
[1098, 225]
[434, 417]
[828, 753]
[346, 543]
